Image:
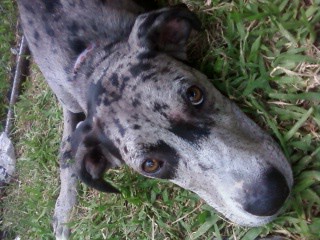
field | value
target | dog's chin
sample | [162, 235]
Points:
[243, 218]
[249, 220]
[239, 216]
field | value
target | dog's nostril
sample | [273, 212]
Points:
[265, 197]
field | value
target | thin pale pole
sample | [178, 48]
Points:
[16, 83]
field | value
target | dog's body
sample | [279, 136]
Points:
[123, 73]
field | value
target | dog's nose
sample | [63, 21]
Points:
[265, 197]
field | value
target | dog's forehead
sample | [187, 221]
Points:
[145, 98]
[152, 82]
[150, 65]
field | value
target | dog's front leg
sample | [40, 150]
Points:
[68, 191]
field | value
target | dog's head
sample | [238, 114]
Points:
[164, 119]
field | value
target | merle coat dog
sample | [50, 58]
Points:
[129, 98]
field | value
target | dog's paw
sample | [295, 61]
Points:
[61, 230]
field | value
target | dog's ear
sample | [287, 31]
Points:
[91, 159]
[165, 30]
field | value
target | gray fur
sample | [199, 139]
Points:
[120, 71]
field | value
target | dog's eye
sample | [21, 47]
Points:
[151, 165]
[195, 95]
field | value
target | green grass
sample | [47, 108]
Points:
[31, 198]
[262, 55]
[7, 37]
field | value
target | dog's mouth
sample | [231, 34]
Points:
[245, 202]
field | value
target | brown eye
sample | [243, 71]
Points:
[151, 165]
[195, 95]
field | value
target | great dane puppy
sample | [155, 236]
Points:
[129, 97]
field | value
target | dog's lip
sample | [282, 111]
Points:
[234, 212]
[242, 217]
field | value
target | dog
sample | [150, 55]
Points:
[130, 97]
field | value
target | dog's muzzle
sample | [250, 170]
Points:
[266, 196]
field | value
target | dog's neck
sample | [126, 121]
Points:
[93, 64]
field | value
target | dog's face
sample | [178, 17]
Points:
[166, 120]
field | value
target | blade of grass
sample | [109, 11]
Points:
[271, 124]
[253, 233]
[306, 179]
[310, 96]
[298, 124]
[205, 227]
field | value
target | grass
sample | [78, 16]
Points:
[263, 55]
[7, 38]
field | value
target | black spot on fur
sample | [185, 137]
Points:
[125, 149]
[107, 48]
[67, 69]
[106, 102]
[137, 69]
[51, 5]
[120, 127]
[149, 76]
[190, 132]
[67, 155]
[49, 30]
[123, 84]
[136, 127]
[114, 96]
[136, 103]
[56, 17]
[147, 55]
[66, 159]
[95, 94]
[125, 79]
[36, 35]
[94, 27]
[77, 45]
[114, 80]
[204, 168]
[73, 27]
[68, 139]
[29, 8]
[160, 108]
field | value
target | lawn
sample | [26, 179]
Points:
[264, 55]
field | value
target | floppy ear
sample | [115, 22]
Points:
[166, 30]
[91, 158]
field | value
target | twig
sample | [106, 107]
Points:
[16, 82]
